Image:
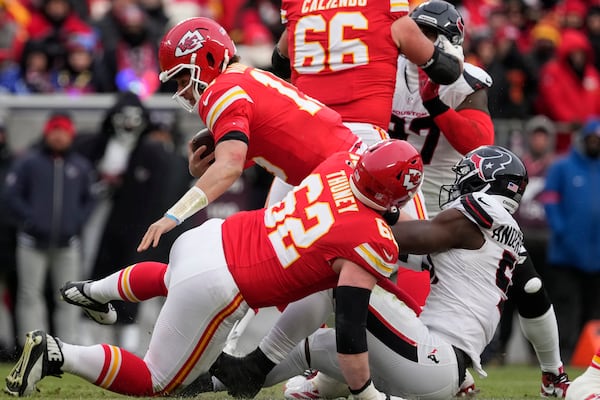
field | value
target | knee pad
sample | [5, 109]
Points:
[528, 292]
[533, 285]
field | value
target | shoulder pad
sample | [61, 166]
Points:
[478, 207]
[476, 77]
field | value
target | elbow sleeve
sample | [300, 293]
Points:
[281, 64]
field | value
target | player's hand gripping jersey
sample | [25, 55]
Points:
[287, 132]
[342, 53]
[454, 272]
[296, 241]
[412, 122]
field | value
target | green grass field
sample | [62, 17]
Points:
[503, 383]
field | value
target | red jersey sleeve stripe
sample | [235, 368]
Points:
[370, 256]
[475, 210]
[223, 102]
[399, 6]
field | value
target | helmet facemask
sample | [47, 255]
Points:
[449, 193]
[195, 83]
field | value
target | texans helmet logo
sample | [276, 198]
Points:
[460, 25]
[488, 166]
[189, 43]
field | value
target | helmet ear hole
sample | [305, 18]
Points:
[210, 59]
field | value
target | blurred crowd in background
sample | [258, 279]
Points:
[100, 46]
[543, 57]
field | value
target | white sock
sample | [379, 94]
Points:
[105, 289]
[83, 361]
[542, 333]
[276, 345]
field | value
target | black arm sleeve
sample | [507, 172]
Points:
[351, 310]
[281, 64]
[442, 68]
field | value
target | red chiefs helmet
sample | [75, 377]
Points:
[387, 175]
[199, 45]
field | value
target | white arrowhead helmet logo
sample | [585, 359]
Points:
[189, 43]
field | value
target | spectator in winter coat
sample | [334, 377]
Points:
[49, 192]
[569, 86]
[571, 203]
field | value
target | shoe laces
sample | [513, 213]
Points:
[549, 378]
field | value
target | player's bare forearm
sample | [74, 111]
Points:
[429, 236]
[230, 157]
[355, 368]
[411, 41]
[282, 44]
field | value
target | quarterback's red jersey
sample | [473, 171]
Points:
[288, 133]
[342, 53]
[289, 247]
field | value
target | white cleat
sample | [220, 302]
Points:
[315, 386]
[102, 313]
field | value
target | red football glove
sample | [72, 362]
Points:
[428, 89]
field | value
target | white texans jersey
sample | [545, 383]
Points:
[410, 121]
[468, 287]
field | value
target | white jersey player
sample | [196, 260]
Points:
[411, 121]
[474, 246]
[443, 123]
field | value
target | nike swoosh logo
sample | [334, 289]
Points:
[481, 200]
[205, 101]
[387, 255]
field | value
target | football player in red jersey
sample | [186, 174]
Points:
[344, 54]
[445, 122]
[266, 257]
[254, 117]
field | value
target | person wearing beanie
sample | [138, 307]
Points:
[587, 385]
[545, 39]
[48, 191]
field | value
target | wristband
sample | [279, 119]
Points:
[368, 392]
[174, 218]
[192, 201]
[365, 386]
